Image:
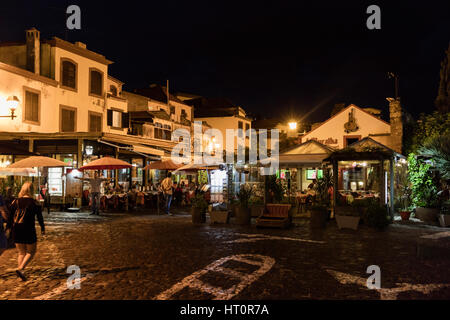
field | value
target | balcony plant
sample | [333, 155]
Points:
[198, 210]
[243, 216]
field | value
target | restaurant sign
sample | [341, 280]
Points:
[325, 141]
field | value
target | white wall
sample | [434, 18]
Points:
[334, 127]
[224, 123]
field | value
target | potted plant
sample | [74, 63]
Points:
[348, 218]
[198, 210]
[424, 190]
[427, 209]
[256, 206]
[320, 208]
[243, 216]
[403, 191]
[218, 214]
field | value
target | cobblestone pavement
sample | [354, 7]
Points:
[139, 256]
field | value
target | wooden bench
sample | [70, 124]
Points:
[275, 216]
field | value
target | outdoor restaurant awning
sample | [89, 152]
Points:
[302, 159]
[140, 149]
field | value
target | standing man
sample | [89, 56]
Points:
[166, 186]
[95, 183]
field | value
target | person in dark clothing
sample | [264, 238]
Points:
[3, 219]
[24, 210]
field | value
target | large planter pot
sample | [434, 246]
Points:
[318, 218]
[256, 210]
[198, 216]
[427, 214]
[347, 222]
[405, 215]
[444, 220]
[219, 216]
[243, 216]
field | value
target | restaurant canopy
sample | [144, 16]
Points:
[38, 161]
[367, 149]
[163, 165]
[106, 163]
[309, 153]
[195, 167]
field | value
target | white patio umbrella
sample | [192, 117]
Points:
[20, 172]
[38, 162]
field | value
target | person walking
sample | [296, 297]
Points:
[166, 186]
[95, 183]
[4, 216]
[24, 210]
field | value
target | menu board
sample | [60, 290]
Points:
[55, 181]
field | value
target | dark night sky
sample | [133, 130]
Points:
[273, 58]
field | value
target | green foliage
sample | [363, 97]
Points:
[438, 149]
[244, 195]
[428, 127]
[403, 188]
[255, 200]
[321, 187]
[274, 189]
[423, 187]
[377, 216]
[200, 203]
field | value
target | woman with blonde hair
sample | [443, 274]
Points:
[24, 210]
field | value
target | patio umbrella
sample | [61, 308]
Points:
[37, 161]
[163, 165]
[106, 163]
[22, 172]
[195, 167]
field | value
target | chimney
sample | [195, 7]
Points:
[80, 44]
[33, 50]
[396, 120]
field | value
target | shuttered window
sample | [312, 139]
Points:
[96, 85]
[68, 120]
[95, 123]
[31, 106]
[69, 74]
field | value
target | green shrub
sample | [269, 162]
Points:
[244, 195]
[200, 203]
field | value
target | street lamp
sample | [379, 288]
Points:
[292, 125]
[12, 102]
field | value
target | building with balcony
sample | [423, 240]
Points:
[69, 108]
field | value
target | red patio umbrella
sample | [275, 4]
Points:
[106, 163]
[163, 165]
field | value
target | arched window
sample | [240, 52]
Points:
[68, 74]
[96, 82]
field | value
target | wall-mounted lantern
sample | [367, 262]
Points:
[89, 150]
[12, 103]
